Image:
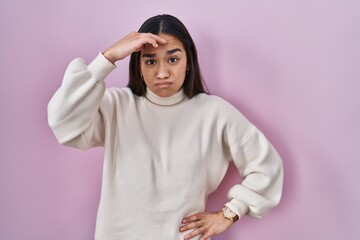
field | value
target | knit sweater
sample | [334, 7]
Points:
[163, 156]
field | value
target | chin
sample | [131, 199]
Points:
[166, 92]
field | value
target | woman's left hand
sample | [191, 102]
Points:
[205, 223]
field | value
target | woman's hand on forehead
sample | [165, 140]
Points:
[133, 42]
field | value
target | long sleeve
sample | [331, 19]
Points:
[258, 163]
[74, 112]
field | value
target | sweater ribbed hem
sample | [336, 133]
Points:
[238, 207]
[100, 67]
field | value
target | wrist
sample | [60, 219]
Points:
[229, 214]
[108, 56]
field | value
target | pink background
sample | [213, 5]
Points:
[292, 67]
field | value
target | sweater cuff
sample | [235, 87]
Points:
[100, 67]
[238, 207]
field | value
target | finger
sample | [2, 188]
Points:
[191, 225]
[205, 236]
[155, 44]
[149, 40]
[157, 38]
[195, 233]
[138, 49]
[160, 40]
[192, 218]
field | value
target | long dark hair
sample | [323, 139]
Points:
[168, 24]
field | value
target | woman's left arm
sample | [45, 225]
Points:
[261, 168]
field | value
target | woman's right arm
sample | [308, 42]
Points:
[74, 112]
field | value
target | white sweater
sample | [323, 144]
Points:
[163, 156]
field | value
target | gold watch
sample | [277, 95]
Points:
[229, 214]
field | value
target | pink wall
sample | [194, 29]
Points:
[292, 67]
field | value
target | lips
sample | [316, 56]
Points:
[163, 84]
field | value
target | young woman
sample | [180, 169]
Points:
[167, 142]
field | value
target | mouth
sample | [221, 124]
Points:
[163, 84]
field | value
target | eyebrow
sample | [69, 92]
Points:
[168, 52]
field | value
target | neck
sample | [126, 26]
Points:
[165, 101]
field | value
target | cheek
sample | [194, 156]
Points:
[145, 72]
[181, 68]
[182, 73]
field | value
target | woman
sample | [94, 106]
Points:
[167, 142]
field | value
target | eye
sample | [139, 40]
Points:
[150, 62]
[173, 60]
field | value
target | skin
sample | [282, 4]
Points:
[163, 66]
[206, 224]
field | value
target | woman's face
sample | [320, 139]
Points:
[164, 68]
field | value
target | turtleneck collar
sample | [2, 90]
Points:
[165, 101]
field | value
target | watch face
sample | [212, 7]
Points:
[228, 213]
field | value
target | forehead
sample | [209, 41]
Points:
[171, 43]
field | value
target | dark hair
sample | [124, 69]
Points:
[168, 24]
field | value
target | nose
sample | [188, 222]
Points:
[163, 71]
